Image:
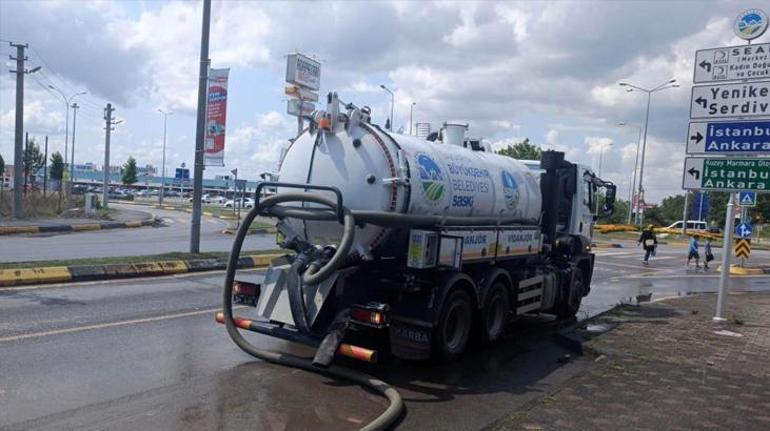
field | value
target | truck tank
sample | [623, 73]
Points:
[380, 171]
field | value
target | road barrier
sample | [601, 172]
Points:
[58, 274]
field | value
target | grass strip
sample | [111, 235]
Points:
[130, 259]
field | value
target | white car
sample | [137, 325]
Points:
[240, 203]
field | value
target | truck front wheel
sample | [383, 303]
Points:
[454, 326]
[569, 305]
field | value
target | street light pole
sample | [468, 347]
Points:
[163, 163]
[392, 102]
[601, 156]
[75, 108]
[636, 166]
[411, 111]
[67, 103]
[663, 86]
[200, 131]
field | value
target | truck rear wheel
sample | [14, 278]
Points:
[494, 313]
[454, 326]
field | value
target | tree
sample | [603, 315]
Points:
[33, 159]
[2, 165]
[129, 171]
[57, 173]
[522, 150]
[57, 167]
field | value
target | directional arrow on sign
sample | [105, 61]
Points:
[705, 65]
[697, 138]
[701, 101]
[694, 172]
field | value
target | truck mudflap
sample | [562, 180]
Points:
[410, 338]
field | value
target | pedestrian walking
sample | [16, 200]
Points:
[648, 241]
[692, 251]
[708, 256]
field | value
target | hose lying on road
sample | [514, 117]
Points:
[392, 413]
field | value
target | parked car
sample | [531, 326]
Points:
[240, 203]
[691, 225]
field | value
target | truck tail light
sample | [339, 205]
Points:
[370, 315]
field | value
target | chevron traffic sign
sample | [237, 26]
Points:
[742, 248]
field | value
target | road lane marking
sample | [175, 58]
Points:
[625, 265]
[111, 324]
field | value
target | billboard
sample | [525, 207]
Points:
[303, 71]
[216, 114]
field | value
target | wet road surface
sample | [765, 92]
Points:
[146, 354]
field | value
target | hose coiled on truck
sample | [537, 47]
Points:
[264, 206]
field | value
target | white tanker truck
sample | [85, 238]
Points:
[413, 246]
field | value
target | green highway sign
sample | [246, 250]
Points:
[726, 174]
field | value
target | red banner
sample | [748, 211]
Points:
[216, 114]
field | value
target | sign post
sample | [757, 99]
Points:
[729, 220]
[734, 103]
[303, 74]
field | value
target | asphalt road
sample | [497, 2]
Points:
[173, 235]
[146, 354]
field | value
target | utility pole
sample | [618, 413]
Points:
[24, 162]
[72, 159]
[45, 168]
[107, 129]
[200, 129]
[163, 163]
[18, 147]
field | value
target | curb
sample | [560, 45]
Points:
[9, 230]
[737, 270]
[232, 231]
[189, 210]
[58, 274]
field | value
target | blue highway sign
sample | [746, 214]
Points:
[729, 137]
[743, 230]
[747, 199]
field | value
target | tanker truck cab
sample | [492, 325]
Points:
[410, 247]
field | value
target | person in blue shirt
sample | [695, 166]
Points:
[692, 251]
[708, 255]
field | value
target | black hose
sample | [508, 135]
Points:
[390, 415]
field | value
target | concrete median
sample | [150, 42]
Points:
[78, 227]
[58, 274]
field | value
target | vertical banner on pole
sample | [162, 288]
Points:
[216, 114]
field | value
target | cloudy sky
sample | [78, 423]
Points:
[548, 71]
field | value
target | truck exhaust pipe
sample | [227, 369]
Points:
[550, 186]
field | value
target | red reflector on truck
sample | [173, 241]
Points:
[369, 317]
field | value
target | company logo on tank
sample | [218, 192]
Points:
[510, 190]
[431, 177]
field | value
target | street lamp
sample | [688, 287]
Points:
[163, 164]
[392, 102]
[631, 88]
[636, 166]
[67, 101]
[601, 156]
[411, 111]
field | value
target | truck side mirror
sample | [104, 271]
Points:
[609, 199]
